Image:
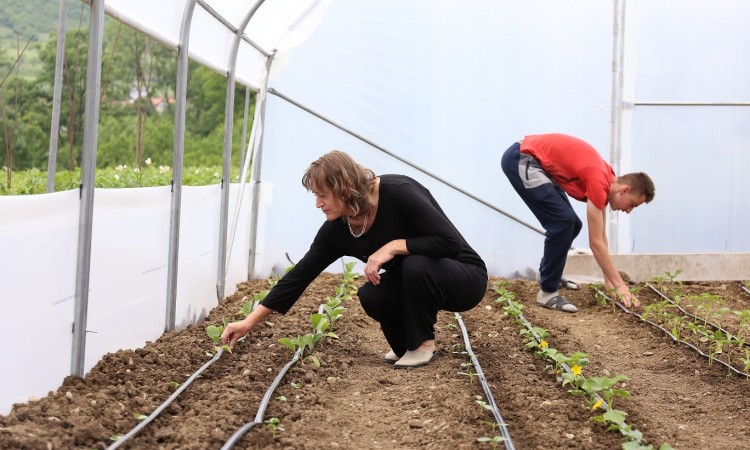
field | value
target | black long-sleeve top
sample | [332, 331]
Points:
[406, 210]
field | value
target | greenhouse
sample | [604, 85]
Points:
[111, 293]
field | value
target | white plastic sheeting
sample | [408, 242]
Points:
[38, 238]
[690, 52]
[127, 297]
[278, 24]
[448, 88]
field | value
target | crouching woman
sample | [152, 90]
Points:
[416, 261]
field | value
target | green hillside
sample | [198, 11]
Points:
[34, 20]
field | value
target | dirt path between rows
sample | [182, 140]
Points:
[356, 401]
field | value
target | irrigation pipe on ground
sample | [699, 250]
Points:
[266, 399]
[263, 403]
[742, 286]
[668, 333]
[693, 316]
[161, 408]
[507, 441]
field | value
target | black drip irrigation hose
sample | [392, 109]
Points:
[161, 407]
[507, 441]
[263, 403]
[266, 399]
[693, 316]
[668, 333]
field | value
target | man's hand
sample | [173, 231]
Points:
[627, 297]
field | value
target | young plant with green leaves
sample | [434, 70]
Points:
[504, 294]
[250, 305]
[494, 441]
[214, 332]
[705, 301]
[669, 277]
[513, 309]
[745, 360]
[274, 424]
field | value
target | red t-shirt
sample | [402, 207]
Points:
[574, 164]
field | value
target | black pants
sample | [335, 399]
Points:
[406, 303]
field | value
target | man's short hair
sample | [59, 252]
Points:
[640, 183]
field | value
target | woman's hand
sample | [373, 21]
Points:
[235, 330]
[375, 263]
[384, 254]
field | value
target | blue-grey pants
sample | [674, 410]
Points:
[550, 204]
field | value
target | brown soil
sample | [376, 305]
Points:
[356, 401]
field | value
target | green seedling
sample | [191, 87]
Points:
[482, 404]
[531, 336]
[307, 342]
[599, 296]
[333, 309]
[174, 385]
[493, 440]
[658, 312]
[744, 316]
[274, 425]
[296, 385]
[746, 364]
[604, 387]
[274, 279]
[491, 424]
[677, 323]
[706, 301]
[214, 332]
[719, 313]
[251, 304]
[501, 289]
[673, 276]
[281, 398]
[513, 309]
[469, 374]
[140, 417]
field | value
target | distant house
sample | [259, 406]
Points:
[159, 103]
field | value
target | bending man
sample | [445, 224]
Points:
[544, 169]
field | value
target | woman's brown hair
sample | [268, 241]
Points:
[348, 181]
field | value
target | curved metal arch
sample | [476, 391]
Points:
[178, 153]
[226, 169]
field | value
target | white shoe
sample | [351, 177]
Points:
[414, 358]
[391, 357]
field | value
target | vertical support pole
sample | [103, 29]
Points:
[178, 152]
[226, 173]
[88, 175]
[243, 145]
[54, 130]
[260, 114]
[616, 113]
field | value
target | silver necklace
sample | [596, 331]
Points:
[364, 227]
